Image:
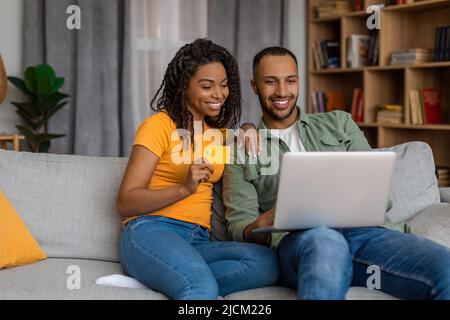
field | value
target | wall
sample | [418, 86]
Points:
[11, 39]
[11, 45]
[297, 43]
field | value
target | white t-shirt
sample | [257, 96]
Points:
[290, 137]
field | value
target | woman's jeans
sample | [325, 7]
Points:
[322, 263]
[178, 259]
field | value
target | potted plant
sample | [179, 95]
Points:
[40, 85]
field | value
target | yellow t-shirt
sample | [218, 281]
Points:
[158, 134]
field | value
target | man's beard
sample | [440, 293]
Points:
[275, 116]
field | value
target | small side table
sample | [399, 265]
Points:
[14, 139]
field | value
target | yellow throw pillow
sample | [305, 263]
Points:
[17, 245]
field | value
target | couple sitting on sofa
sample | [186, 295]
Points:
[165, 242]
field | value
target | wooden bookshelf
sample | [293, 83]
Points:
[402, 26]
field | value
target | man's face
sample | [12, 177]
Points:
[276, 84]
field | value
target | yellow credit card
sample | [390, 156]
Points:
[217, 154]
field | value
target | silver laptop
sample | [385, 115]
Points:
[333, 189]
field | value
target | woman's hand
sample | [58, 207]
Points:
[197, 174]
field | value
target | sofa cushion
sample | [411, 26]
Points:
[283, 293]
[433, 223]
[48, 279]
[414, 185]
[68, 202]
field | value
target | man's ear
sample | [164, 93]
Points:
[255, 89]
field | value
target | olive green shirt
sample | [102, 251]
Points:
[250, 186]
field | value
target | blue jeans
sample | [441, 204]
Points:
[322, 263]
[178, 259]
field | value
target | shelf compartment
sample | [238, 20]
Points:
[382, 87]
[344, 82]
[320, 32]
[405, 30]
[352, 24]
[421, 78]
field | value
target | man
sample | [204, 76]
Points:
[322, 263]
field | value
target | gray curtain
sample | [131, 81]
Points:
[245, 27]
[96, 121]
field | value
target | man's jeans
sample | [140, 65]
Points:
[178, 259]
[322, 263]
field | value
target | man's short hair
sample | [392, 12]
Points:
[272, 51]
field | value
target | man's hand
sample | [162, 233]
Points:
[263, 221]
[266, 219]
[252, 140]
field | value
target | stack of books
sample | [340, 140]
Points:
[442, 44]
[390, 114]
[327, 54]
[332, 8]
[443, 176]
[411, 56]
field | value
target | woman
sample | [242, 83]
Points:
[166, 206]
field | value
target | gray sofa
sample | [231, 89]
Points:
[68, 204]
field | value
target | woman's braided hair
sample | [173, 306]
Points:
[171, 95]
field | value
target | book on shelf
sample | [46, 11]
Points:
[335, 100]
[446, 55]
[355, 103]
[317, 56]
[416, 108]
[443, 177]
[374, 48]
[357, 108]
[322, 98]
[326, 54]
[314, 102]
[357, 50]
[318, 99]
[332, 53]
[332, 8]
[411, 56]
[398, 2]
[443, 172]
[441, 50]
[432, 106]
[390, 113]
[405, 1]
[327, 101]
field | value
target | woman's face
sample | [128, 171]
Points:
[207, 91]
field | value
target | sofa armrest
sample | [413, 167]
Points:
[433, 223]
[445, 194]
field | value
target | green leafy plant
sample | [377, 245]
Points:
[40, 85]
